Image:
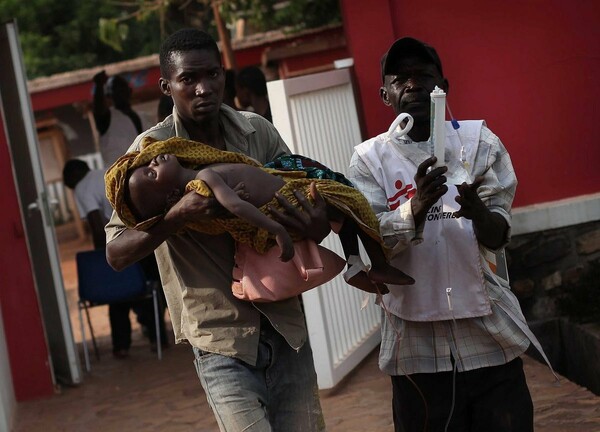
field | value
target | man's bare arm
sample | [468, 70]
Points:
[100, 106]
[132, 245]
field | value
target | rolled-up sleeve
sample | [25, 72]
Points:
[114, 228]
[493, 163]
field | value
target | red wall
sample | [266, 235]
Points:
[23, 328]
[529, 68]
[369, 32]
[140, 80]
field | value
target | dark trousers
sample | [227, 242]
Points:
[491, 399]
[118, 313]
[120, 326]
[146, 311]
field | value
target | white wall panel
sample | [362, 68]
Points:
[317, 117]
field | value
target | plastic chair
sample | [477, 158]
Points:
[99, 285]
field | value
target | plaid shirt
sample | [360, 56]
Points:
[410, 347]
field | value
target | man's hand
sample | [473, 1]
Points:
[471, 206]
[431, 186]
[285, 243]
[311, 220]
[490, 227]
[193, 207]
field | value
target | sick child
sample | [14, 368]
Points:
[143, 185]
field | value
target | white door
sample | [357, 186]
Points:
[317, 117]
[35, 207]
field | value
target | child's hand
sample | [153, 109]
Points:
[285, 243]
[240, 190]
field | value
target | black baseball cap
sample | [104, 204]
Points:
[408, 47]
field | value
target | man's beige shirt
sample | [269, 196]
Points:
[196, 268]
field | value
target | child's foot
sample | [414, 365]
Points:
[390, 275]
[362, 281]
[357, 276]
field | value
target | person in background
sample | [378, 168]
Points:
[251, 91]
[90, 198]
[93, 206]
[229, 94]
[254, 360]
[116, 121]
[452, 341]
[164, 108]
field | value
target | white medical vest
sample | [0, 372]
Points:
[449, 256]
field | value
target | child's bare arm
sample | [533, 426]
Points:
[229, 199]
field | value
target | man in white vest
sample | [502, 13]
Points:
[452, 341]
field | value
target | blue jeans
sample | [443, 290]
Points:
[279, 394]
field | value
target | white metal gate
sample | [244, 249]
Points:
[317, 117]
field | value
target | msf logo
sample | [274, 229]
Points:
[404, 191]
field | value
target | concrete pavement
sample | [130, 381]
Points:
[144, 394]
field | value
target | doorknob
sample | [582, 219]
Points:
[34, 206]
[53, 203]
[43, 204]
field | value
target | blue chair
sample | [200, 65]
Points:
[99, 285]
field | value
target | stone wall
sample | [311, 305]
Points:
[545, 265]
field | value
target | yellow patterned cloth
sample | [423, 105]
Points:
[193, 154]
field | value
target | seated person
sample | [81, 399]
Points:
[90, 198]
[143, 185]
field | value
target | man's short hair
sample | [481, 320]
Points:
[73, 171]
[230, 83]
[408, 47]
[253, 79]
[188, 39]
[116, 84]
[165, 107]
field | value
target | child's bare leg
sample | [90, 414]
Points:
[360, 280]
[382, 271]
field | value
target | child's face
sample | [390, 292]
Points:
[151, 185]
